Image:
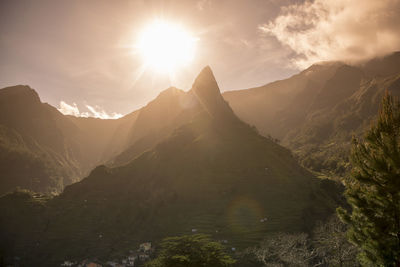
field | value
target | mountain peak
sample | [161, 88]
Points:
[205, 81]
[19, 93]
[206, 72]
[207, 92]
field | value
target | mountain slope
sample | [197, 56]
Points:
[292, 96]
[44, 150]
[214, 173]
[156, 121]
[35, 153]
[315, 112]
[79, 143]
[171, 109]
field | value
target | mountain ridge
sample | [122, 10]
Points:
[290, 110]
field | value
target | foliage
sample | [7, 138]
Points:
[331, 160]
[327, 246]
[331, 245]
[286, 249]
[373, 190]
[280, 249]
[191, 251]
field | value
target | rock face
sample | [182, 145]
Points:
[212, 173]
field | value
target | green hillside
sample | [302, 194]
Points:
[214, 174]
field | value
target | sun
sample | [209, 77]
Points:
[165, 47]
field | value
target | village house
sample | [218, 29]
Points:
[131, 261]
[145, 247]
[144, 257]
[68, 263]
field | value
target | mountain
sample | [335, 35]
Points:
[313, 113]
[212, 174]
[34, 152]
[44, 150]
[171, 109]
[82, 143]
[316, 112]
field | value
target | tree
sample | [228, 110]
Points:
[331, 245]
[373, 189]
[282, 249]
[327, 246]
[191, 251]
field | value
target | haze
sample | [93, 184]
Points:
[78, 54]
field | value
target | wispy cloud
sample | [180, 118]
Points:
[73, 110]
[96, 112]
[337, 29]
[102, 114]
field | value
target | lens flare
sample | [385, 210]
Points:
[244, 214]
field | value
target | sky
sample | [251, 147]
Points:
[79, 56]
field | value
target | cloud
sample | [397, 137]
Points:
[337, 29]
[100, 113]
[73, 110]
[95, 112]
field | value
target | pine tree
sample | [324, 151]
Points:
[373, 189]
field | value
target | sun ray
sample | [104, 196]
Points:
[165, 47]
